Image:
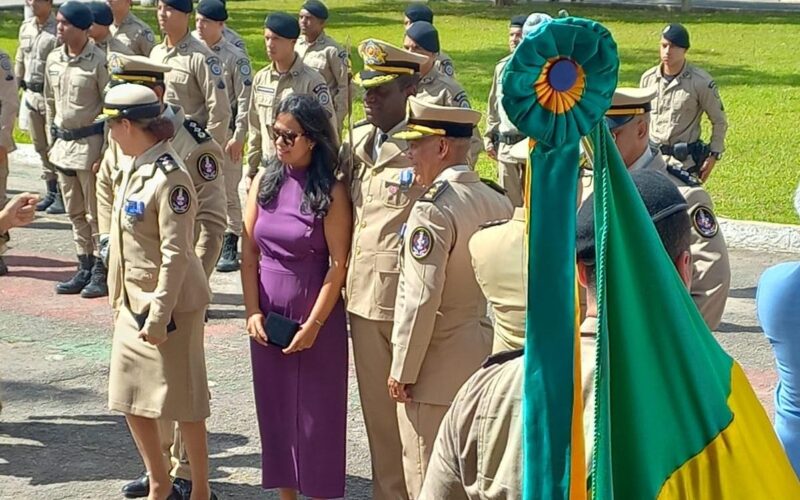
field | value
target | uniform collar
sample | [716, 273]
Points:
[105, 41]
[656, 162]
[218, 46]
[321, 39]
[174, 113]
[128, 19]
[86, 53]
[432, 75]
[51, 21]
[683, 73]
[458, 173]
[182, 46]
[145, 164]
[643, 160]
[294, 70]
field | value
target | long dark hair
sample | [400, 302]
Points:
[313, 118]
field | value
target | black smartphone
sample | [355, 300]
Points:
[280, 329]
[142, 317]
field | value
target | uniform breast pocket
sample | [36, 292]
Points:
[145, 278]
[393, 195]
[82, 91]
[178, 82]
[387, 272]
[25, 44]
[264, 101]
[684, 105]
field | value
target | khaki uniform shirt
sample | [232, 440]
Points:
[679, 105]
[73, 90]
[151, 258]
[500, 265]
[238, 78]
[478, 451]
[135, 34]
[194, 148]
[195, 84]
[269, 88]
[497, 122]
[9, 103]
[111, 45]
[35, 44]
[445, 65]
[380, 208]
[441, 334]
[333, 63]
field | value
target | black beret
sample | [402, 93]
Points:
[184, 6]
[660, 196]
[213, 9]
[676, 34]
[283, 24]
[101, 13]
[518, 21]
[425, 35]
[77, 13]
[419, 12]
[316, 9]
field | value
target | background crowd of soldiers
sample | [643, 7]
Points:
[66, 61]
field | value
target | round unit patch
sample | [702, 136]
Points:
[421, 243]
[207, 167]
[179, 200]
[704, 222]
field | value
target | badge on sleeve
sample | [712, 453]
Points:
[179, 200]
[323, 96]
[704, 222]
[207, 166]
[244, 66]
[421, 243]
[447, 68]
[461, 100]
[214, 65]
[148, 35]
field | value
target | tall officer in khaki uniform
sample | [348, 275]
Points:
[100, 32]
[379, 177]
[237, 75]
[434, 86]
[322, 53]
[37, 38]
[9, 107]
[287, 74]
[76, 75]
[157, 360]
[683, 93]
[129, 29]
[441, 333]
[195, 82]
[500, 133]
[628, 120]
[230, 36]
[478, 451]
[421, 12]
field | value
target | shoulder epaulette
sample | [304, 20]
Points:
[492, 223]
[167, 163]
[502, 357]
[492, 184]
[198, 133]
[436, 190]
[686, 177]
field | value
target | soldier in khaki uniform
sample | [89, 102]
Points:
[237, 75]
[683, 93]
[421, 12]
[478, 452]
[230, 36]
[195, 82]
[129, 29]
[322, 53]
[37, 38]
[628, 120]
[152, 264]
[100, 32]
[9, 107]
[75, 79]
[441, 333]
[379, 177]
[284, 76]
[501, 134]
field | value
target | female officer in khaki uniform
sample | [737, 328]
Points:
[158, 290]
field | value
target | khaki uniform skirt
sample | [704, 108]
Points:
[166, 381]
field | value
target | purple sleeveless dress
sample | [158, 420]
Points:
[301, 398]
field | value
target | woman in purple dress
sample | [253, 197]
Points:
[297, 231]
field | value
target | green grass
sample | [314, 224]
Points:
[749, 54]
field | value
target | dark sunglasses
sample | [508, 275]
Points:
[288, 136]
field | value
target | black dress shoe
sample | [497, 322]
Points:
[182, 487]
[138, 488]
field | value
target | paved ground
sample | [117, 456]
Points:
[57, 439]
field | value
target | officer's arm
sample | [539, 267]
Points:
[50, 103]
[105, 189]
[492, 114]
[711, 270]
[421, 282]
[10, 106]
[319, 89]
[19, 63]
[219, 106]
[176, 231]
[242, 84]
[253, 137]
[711, 103]
[103, 77]
[337, 59]
[146, 41]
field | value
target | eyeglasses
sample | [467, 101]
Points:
[288, 136]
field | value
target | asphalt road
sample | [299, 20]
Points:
[59, 441]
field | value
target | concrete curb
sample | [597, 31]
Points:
[751, 235]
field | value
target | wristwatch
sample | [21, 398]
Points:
[716, 154]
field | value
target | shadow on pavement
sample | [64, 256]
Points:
[742, 293]
[734, 328]
[60, 226]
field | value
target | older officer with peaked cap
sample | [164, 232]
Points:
[420, 12]
[382, 190]
[441, 333]
[628, 120]
[195, 82]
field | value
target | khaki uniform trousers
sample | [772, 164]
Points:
[80, 201]
[372, 353]
[232, 176]
[511, 176]
[36, 128]
[419, 424]
[208, 244]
